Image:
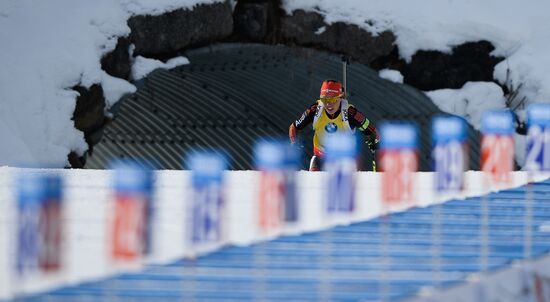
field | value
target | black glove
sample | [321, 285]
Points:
[373, 144]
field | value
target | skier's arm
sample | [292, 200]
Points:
[292, 133]
[302, 122]
[359, 121]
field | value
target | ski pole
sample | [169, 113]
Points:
[373, 160]
[345, 62]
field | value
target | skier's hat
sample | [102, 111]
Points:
[331, 89]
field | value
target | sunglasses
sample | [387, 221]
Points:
[331, 100]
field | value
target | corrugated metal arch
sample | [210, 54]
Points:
[230, 95]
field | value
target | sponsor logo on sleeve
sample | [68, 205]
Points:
[301, 119]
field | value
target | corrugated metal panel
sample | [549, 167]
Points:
[232, 94]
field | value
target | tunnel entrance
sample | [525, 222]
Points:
[230, 95]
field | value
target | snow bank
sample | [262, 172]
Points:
[47, 48]
[470, 101]
[518, 30]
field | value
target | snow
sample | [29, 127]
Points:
[519, 31]
[158, 7]
[391, 75]
[320, 30]
[143, 66]
[470, 101]
[523, 280]
[49, 47]
[114, 88]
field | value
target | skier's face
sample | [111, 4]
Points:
[332, 105]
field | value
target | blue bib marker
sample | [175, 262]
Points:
[497, 122]
[398, 136]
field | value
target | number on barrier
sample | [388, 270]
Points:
[28, 247]
[497, 145]
[341, 186]
[341, 165]
[399, 161]
[207, 197]
[497, 153]
[448, 136]
[206, 213]
[449, 166]
[128, 228]
[51, 235]
[538, 138]
[132, 211]
[272, 194]
[39, 223]
[398, 177]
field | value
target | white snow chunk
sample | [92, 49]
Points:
[391, 75]
[143, 66]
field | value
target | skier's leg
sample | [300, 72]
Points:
[315, 163]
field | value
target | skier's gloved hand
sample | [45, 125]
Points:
[373, 144]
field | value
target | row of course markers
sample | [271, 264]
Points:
[39, 248]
